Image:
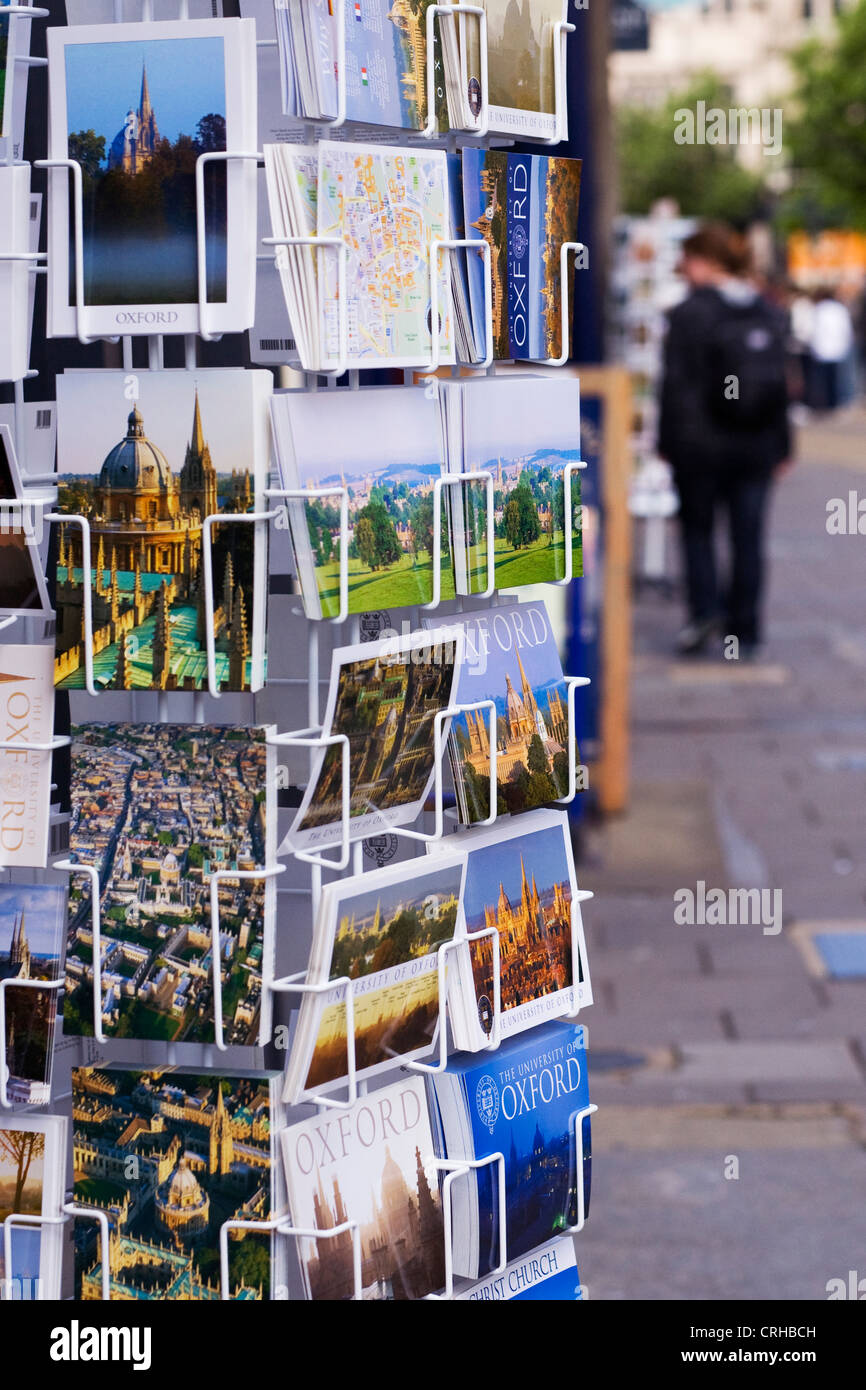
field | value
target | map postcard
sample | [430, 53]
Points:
[146, 458]
[384, 697]
[136, 106]
[170, 1158]
[525, 206]
[383, 446]
[32, 917]
[524, 430]
[159, 809]
[510, 657]
[387, 203]
[27, 714]
[520, 879]
[380, 1175]
[32, 1173]
[382, 930]
[520, 65]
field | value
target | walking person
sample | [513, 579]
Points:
[831, 345]
[723, 427]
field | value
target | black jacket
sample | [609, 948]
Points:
[690, 436]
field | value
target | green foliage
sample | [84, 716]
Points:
[376, 536]
[827, 136]
[88, 149]
[536, 756]
[520, 519]
[421, 523]
[705, 180]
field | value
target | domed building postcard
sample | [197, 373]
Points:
[170, 1159]
[146, 458]
[135, 107]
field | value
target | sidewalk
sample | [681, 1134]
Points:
[713, 1043]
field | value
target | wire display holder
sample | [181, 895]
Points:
[339, 853]
[257, 519]
[450, 14]
[14, 61]
[455, 1168]
[90, 872]
[222, 876]
[5, 1076]
[298, 984]
[69, 1211]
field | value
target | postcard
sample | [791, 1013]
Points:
[525, 206]
[520, 65]
[32, 917]
[520, 879]
[388, 204]
[22, 583]
[510, 657]
[146, 458]
[383, 447]
[32, 1175]
[384, 697]
[171, 1158]
[136, 105]
[26, 717]
[548, 1273]
[379, 1174]
[523, 430]
[382, 930]
[159, 809]
[481, 1113]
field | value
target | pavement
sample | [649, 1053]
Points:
[730, 1072]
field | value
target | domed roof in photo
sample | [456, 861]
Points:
[135, 462]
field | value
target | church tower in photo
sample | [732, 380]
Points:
[134, 145]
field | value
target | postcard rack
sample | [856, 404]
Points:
[298, 877]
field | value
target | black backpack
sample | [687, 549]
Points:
[746, 377]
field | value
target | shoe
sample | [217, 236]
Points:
[695, 635]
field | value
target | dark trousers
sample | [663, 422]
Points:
[744, 498]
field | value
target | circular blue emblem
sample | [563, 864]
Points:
[487, 1101]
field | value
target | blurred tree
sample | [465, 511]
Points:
[705, 180]
[826, 139]
[89, 149]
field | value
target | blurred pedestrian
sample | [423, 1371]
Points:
[830, 347]
[724, 429]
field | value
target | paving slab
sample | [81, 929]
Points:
[756, 1062]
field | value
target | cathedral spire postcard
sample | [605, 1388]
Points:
[146, 459]
[520, 880]
[510, 657]
[136, 105]
[32, 917]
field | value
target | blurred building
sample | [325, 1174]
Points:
[745, 42]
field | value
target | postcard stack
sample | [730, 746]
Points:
[484, 938]
[148, 460]
[178, 91]
[375, 53]
[386, 205]
[381, 451]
